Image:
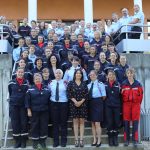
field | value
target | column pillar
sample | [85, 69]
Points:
[88, 11]
[32, 10]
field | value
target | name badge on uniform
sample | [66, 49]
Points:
[112, 92]
[41, 93]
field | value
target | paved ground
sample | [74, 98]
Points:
[146, 145]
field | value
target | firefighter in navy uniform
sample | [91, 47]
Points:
[121, 69]
[90, 59]
[46, 76]
[38, 65]
[18, 114]
[113, 63]
[101, 76]
[27, 74]
[132, 95]
[37, 104]
[113, 108]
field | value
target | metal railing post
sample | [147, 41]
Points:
[1, 108]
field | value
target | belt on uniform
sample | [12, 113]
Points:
[97, 98]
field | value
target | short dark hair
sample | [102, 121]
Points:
[38, 58]
[75, 58]
[33, 21]
[111, 43]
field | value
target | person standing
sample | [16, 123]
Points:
[77, 92]
[124, 20]
[132, 95]
[17, 89]
[59, 108]
[137, 21]
[121, 69]
[97, 94]
[37, 104]
[69, 74]
[24, 30]
[113, 108]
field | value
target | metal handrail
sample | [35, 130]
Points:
[6, 122]
[127, 31]
[7, 32]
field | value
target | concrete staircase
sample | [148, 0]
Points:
[70, 145]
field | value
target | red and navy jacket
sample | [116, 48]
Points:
[132, 93]
[17, 92]
[113, 96]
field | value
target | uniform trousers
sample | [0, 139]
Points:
[113, 118]
[18, 115]
[39, 124]
[59, 116]
[134, 130]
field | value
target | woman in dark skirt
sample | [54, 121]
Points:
[77, 91]
[97, 94]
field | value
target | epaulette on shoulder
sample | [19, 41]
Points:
[82, 68]
[100, 82]
[50, 81]
[65, 82]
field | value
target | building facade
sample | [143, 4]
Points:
[68, 10]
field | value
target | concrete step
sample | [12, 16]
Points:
[87, 140]
[70, 124]
[87, 131]
[87, 147]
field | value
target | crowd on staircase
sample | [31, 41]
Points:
[74, 72]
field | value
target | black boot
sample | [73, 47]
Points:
[110, 138]
[126, 143]
[115, 137]
[17, 142]
[23, 142]
[116, 140]
[43, 143]
[135, 144]
[35, 144]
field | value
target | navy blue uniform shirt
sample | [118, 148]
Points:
[17, 92]
[37, 100]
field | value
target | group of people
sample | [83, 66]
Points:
[94, 101]
[76, 73]
[118, 28]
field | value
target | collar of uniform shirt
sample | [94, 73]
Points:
[58, 80]
[75, 68]
[94, 81]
